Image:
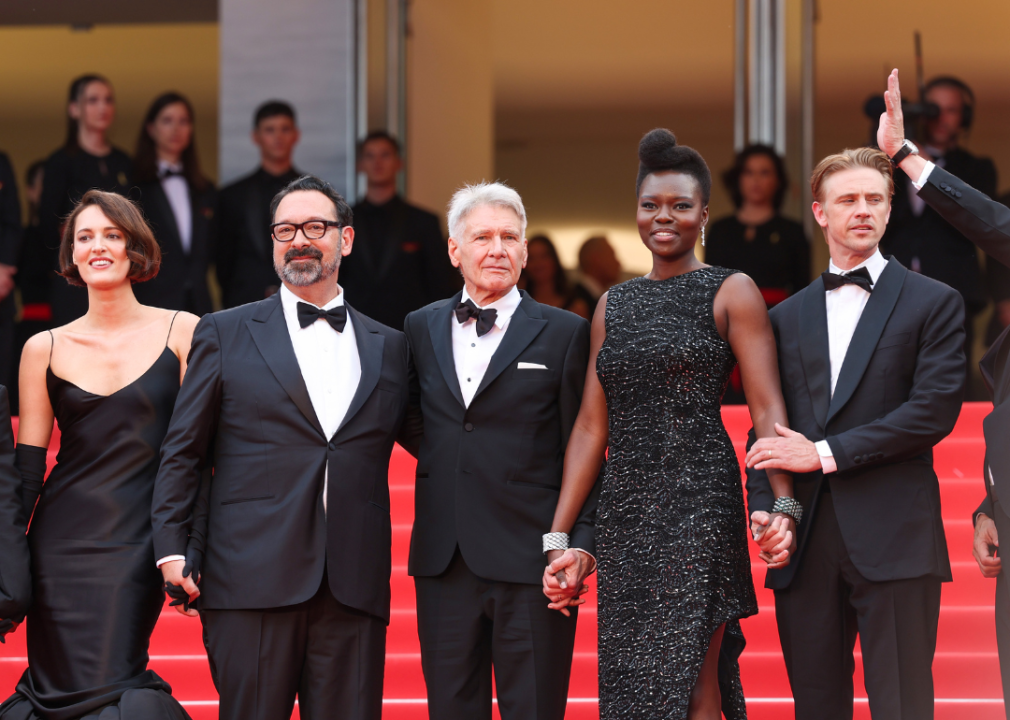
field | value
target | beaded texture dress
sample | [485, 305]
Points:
[671, 527]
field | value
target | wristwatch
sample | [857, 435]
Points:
[907, 148]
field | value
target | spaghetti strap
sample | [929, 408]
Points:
[171, 325]
[52, 344]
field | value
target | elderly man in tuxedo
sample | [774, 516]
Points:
[295, 402]
[872, 370]
[987, 224]
[496, 385]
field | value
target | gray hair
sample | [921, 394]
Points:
[469, 197]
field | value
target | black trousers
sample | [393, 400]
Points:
[468, 626]
[1003, 606]
[329, 655]
[827, 604]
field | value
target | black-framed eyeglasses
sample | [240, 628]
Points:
[311, 229]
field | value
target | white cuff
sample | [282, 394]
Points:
[828, 464]
[924, 175]
[168, 559]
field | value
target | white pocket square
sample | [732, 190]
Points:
[530, 366]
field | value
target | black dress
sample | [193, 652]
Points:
[671, 528]
[68, 175]
[96, 591]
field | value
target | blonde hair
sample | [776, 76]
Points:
[849, 159]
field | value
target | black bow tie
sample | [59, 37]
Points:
[336, 317]
[860, 277]
[485, 318]
[169, 172]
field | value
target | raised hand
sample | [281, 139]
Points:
[891, 131]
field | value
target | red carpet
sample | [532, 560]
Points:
[966, 668]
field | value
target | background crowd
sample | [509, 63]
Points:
[216, 246]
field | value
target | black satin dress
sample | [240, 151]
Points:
[97, 592]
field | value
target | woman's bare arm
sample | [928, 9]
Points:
[182, 338]
[35, 426]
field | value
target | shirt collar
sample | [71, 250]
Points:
[164, 165]
[874, 264]
[290, 301]
[506, 306]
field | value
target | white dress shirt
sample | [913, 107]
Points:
[329, 363]
[177, 192]
[472, 354]
[330, 368]
[844, 308]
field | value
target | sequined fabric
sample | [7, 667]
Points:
[671, 526]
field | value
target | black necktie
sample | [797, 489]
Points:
[485, 318]
[336, 317]
[860, 277]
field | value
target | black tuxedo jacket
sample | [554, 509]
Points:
[945, 253]
[399, 263]
[987, 224]
[488, 476]
[898, 394]
[181, 283]
[244, 409]
[244, 252]
[15, 575]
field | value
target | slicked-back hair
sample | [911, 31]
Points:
[850, 159]
[470, 197]
[273, 108]
[310, 183]
[731, 178]
[379, 135]
[141, 246]
[658, 151]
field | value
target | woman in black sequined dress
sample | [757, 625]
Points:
[674, 570]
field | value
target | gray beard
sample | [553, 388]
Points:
[307, 274]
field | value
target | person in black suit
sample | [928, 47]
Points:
[15, 573]
[243, 259]
[10, 248]
[179, 204]
[401, 263]
[496, 384]
[917, 235]
[87, 161]
[294, 402]
[987, 224]
[872, 365]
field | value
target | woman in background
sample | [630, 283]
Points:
[546, 280]
[86, 161]
[757, 239]
[178, 202]
[671, 529]
[109, 379]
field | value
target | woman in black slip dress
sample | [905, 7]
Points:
[110, 380]
[671, 532]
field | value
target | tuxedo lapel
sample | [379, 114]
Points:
[868, 330]
[168, 231]
[370, 345]
[814, 350]
[440, 321]
[525, 325]
[254, 221]
[270, 333]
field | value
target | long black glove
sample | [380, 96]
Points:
[30, 462]
[194, 560]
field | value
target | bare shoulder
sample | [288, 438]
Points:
[38, 347]
[185, 322]
[739, 289]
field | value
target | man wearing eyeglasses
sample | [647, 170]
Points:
[295, 402]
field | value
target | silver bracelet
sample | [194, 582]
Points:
[555, 541]
[788, 506]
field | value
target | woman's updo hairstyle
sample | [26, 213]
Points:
[659, 152]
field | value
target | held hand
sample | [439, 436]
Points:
[564, 578]
[775, 535]
[173, 573]
[791, 452]
[985, 546]
[891, 131]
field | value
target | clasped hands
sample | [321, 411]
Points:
[564, 578]
[180, 585]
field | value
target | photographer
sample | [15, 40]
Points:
[916, 235]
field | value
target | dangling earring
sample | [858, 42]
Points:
[703, 236]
